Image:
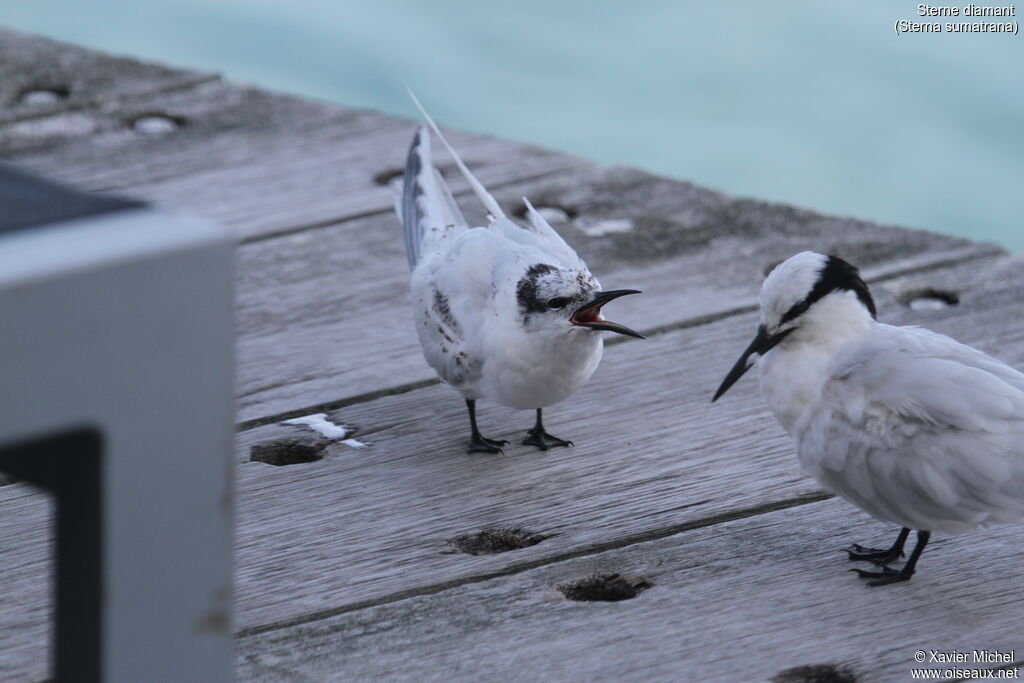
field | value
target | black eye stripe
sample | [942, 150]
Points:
[837, 275]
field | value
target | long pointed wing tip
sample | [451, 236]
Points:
[408, 89]
[490, 204]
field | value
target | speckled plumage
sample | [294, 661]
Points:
[493, 305]
[479, 299]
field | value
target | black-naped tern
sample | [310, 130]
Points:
[909, 425]
[504, 313]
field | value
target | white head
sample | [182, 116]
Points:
[557, 299]
[809, 296]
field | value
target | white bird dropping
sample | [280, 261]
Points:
[906, 424]
[503, 313]
[319, 423]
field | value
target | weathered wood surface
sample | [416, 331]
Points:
[258, 162]
[657, 457]
[80, 78]
[737, 601]
[323, 322]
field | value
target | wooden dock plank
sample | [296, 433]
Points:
[84, 77]
[259, 162]
[361, 525]
[323, 314]
[369, 525]
[738, 601]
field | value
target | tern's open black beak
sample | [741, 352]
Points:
[761, 345]
[589, 314]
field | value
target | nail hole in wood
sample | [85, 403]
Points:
[816, 673]
[387, 177]
[494, 540]
[394, 175]
[287, 452]
[929, 299]
[552, 213]
[604, 588]
[42, 95]
[156, 123]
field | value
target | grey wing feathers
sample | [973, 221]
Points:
[411, 191]
[939, 443]
[428, 210]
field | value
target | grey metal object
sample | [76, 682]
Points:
[116, 361]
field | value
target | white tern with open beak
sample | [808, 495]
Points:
[504, 313]
[909, 425]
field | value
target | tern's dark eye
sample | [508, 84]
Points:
[558, 302]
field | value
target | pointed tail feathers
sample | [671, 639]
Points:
[427, 208]
[481, 192]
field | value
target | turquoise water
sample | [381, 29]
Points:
[821, 104]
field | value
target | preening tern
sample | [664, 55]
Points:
[907, 424]
[504, 313]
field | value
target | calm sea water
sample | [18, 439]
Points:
[816, 103]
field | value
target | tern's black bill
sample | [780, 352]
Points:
[589, 314]
[761, 345]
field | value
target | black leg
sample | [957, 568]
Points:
[478, 443]
[888, 575]
[541, 439]
[859, 553]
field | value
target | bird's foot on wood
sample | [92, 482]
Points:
[543, 440]
[481, 444]
[881, 557]
[884, 577]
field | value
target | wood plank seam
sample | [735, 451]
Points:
[292, 230]
[744, 587]
[649, 332]
[888, 275]
[583, 551]
[336, 405]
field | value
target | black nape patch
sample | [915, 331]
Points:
[837, 275]
[526, 290]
